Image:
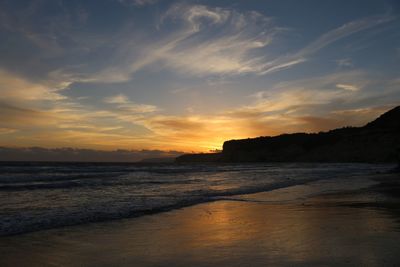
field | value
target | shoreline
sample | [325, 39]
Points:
[154, 211]
[353, 227]
[104, 217]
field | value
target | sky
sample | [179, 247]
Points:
[188, 75]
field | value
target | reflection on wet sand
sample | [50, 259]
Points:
[227, 233]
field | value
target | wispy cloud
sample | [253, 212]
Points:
[117, 99]
[52, 96]
[292, 96]
[324, 40]
[348, 87]
[13, 87]
[223, 41]
[310, 105]
[344, 31]
[320, 103]
[123, 103]
[192, 39]
[204, 41]
[307, 105]
[344, 62]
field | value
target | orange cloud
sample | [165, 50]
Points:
[17, 88]
[298, 106]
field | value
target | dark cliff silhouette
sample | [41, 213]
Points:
[378, 141]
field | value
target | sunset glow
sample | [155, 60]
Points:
[189, 75]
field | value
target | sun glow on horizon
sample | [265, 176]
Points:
[189, 76]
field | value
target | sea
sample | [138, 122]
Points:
[38, 195]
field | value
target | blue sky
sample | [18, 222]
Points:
[187, 75]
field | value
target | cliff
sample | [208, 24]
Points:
[378, 141]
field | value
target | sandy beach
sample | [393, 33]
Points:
[355, 227]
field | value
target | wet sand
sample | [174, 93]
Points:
[350, 228]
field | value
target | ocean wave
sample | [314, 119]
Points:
[43, 202]
[28, 222]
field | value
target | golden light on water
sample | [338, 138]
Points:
[231, 232]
